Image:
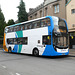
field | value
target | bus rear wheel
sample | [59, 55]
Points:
[36, 52]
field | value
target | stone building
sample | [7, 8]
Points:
[70, 16]
[48, 7]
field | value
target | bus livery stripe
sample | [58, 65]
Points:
[19, 34]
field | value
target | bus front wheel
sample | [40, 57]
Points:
[36, 52]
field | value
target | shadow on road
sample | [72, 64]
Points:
[47, 57]
[71, 55]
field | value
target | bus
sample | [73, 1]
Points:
[46, 36]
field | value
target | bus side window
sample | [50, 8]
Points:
[18, 28]
[25, 40]
[9, 30]
[46, 40]
[15, 40]
[47, 21]
[15, 28]
[43, 24]
[34, 24]
[29, 25]
[38, 24]
[8, 41]
[23, 27]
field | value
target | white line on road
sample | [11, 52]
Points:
[4, 66]
[17, 74]
[11, 73]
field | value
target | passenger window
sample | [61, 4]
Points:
[12, 29]
[26, 26]
[25, 40]
[22, 27]
[15, 28]
[43, 24]
[34, 24]
[38, 24]
[15, 40]
[47, 21]
[18, 28]
[9, 29]
[46, 40]
[10, 41]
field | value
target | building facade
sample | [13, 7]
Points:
[70, 14]
[48, 8]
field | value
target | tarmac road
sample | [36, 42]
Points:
[22, 64]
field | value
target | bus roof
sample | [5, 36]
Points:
[30, 21]
[25, 22]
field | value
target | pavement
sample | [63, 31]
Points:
[72, 52]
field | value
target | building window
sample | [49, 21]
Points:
[46, 11]
[30, 17]
[73, 25]
[56, 8]
[73, 11]
[41, 13]
[35, 15]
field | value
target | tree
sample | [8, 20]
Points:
[2, 23]
[22, 14]
[10, 22]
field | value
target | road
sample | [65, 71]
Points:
[20, 64]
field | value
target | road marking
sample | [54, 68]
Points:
[4, 66]
[11, 73]
[17, 74]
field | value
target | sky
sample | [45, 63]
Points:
[10, 10]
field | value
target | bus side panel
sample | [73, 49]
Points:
[33, 36]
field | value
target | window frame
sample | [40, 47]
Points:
[73, 11]
[56, 8]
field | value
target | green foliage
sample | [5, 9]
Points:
[22, 14]
[10, 22]
[2, 23]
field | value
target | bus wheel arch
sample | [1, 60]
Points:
[35, 52]
[9, 50]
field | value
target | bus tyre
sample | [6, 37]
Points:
[9, 50]
[36, 52]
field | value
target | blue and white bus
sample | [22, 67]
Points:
[46, 36]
